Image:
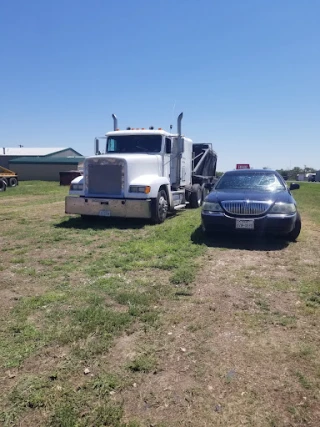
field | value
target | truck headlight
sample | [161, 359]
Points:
[283, 208]
[76, 187]
[211, 207]
[139, 189]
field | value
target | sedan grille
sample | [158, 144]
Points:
[247, 208]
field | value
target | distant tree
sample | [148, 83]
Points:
[292, 174]
[218, 174]
[309, 170]
[284, 173]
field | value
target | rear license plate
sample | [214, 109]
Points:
[104, 213]
[245, 224]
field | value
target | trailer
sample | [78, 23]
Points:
[8, 178]
[143, 173]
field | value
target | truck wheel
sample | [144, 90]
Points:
[196, 196]
[159, 208]
[3, 185]
[293, 235]
[13, 182]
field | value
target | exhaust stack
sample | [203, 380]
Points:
[180, 148]
[115, 122]
[179, 123]
[96, 146]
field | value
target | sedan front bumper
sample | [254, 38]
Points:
[269, 224]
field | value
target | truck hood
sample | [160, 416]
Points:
[137, 164]
[127, 156]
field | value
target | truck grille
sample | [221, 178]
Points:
[105, 179]
[242, 207]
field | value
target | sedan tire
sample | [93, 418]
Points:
[293, 235]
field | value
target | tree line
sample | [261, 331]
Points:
[288, 174]
[291, 174]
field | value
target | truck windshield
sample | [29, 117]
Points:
[134, 144]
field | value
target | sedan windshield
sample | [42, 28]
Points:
[134, 144]
[250, 181]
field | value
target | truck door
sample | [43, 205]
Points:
[167, 157]
[178, 163]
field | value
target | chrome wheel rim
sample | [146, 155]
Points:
[162, 207]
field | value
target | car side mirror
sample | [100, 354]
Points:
[294, 186]
[168, 146]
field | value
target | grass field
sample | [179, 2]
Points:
[120, 323]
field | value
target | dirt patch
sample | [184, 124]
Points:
[238, 352]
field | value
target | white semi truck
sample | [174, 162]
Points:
[144, 173]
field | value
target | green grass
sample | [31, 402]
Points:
[96, 282]
[80, 286]
[34, 188]
[308, 200]
[143, 363]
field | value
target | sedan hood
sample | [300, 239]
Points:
[261, 196]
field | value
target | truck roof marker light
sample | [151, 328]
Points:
[147, 190]
[128, 128]
[159, 128]
[151, 127]
[142, 128]
[118, 129]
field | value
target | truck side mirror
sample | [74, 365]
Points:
[168, 146]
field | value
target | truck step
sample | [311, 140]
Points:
[179, 207]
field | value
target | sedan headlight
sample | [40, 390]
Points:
[76, 187]
[283, 208]
[139, 189]
[211, 207]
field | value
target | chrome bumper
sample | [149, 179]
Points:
[108, 207]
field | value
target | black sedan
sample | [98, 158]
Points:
[252, 200]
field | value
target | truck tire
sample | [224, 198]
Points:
[293, 235]
[13, 182]
[196, 196]
[3, 185]
[159, 207]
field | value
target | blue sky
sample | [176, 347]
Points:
[246, 74]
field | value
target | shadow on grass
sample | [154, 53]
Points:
[102, 223]
[241, 241]
[97, 223]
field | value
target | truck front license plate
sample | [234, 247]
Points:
[245, 224]
[104, 213]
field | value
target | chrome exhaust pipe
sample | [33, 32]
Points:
[115, 122]
[179, 123]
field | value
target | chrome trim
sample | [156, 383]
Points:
[104, 185]
[125, 208]
[246, 207]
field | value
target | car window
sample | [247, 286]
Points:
[246, 181]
